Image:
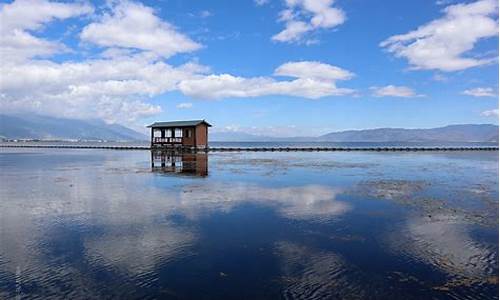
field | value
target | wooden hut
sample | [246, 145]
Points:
[189, 134]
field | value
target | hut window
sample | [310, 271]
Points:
[168, 132]
[188, 133]
[178, 132]
[156, 133]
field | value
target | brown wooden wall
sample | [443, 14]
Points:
[202, 135]
[191, 140]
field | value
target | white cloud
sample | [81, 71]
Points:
[206, 14]
[133, 25]
[308, 83]
[490, 113]
[444, 2]
[293, 32]
[33, 14]
[442, 44]
[313, 70]
[394, 91]
[185, 105]
[112, 89]
[261, 2]
[480, 92]
[20, 18]
[303, 16]
[115, 86]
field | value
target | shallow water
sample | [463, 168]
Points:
[131, 224]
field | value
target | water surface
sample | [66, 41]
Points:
[134, 224]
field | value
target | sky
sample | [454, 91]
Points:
[266, 67]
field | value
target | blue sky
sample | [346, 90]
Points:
[295, 67]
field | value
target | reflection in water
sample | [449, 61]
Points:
[310, 202]
[184, 163]
[138, 252]
[313, 274]
[99, 224]
[444, 242]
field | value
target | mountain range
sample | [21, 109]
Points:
[451, 133]
[43, 127]
[32, 126]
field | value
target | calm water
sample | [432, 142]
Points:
[131, 224]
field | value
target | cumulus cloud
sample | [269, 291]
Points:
[133, 25]
[394, 91]
[313, 70]
[442, 44]
[490, 113]
[480, 92]
[309, 83]
[113, 86]
[21, 18]
[112, 89]
[305, 16]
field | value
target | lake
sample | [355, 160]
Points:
[139, 225]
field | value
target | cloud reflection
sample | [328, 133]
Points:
[308, 273]
[445, 243]
[139, 252]
[309, 202]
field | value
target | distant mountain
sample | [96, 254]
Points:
[43, 127]
[451, 133]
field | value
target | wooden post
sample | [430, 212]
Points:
[194, 134]
[152, 136]
[152, 160]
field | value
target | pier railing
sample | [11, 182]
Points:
[260, 149]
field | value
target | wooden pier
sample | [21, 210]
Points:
[333, 149]
[263, 149]
[117, 147]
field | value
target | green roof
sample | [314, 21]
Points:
[179, 123]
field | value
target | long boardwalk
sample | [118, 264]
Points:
[262, 149]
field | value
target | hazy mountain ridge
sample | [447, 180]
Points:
[451, 133]
[44, 127]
